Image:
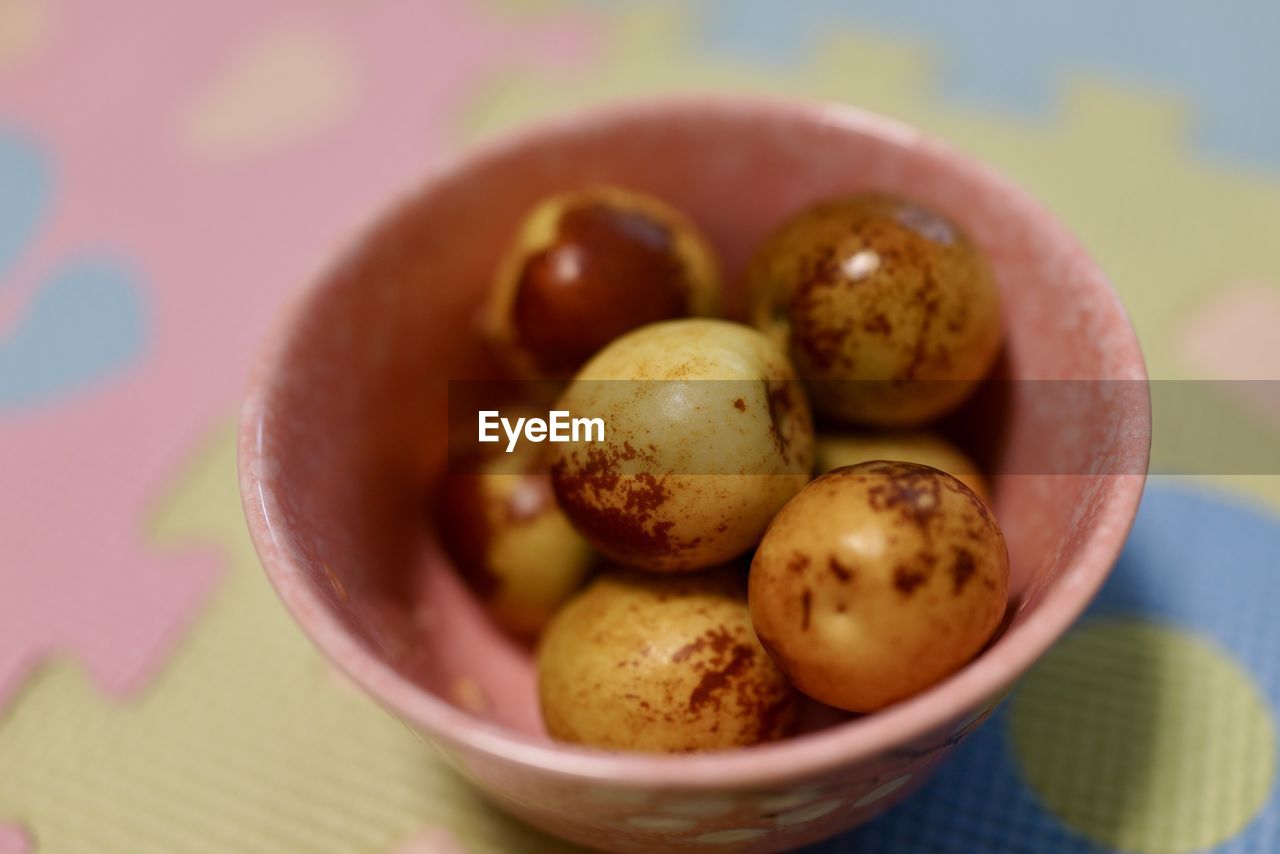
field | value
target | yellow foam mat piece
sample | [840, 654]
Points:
[1144, 737]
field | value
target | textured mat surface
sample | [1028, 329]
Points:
[153, 694]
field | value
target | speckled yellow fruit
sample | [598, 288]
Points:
[877, 581]
[645, 662]
[889, 312]
[589, 265]
[835, 451]
[513, 546]
[707, 434]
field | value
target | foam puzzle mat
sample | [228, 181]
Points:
[167, 178]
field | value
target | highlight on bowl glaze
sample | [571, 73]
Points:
[343, 431]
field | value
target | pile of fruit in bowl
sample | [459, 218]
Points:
[763, 518]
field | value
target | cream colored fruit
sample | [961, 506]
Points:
[589, 265]
[889, 312]
[645, 662]
[876, 582]
[835, 451]
[707, 434]
[508, 538]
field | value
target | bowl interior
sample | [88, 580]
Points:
[353, 426]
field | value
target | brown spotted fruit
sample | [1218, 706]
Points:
[500, 523]
[707, 433]
[647, 662]
[837, 450]
[877, 581]
[589, 265]
[889, 312]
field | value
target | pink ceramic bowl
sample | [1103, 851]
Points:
[343, 430]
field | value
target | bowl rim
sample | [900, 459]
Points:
[977, 687]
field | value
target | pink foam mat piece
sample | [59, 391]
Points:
[13, 840]
[431, 840]
[219, 242]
